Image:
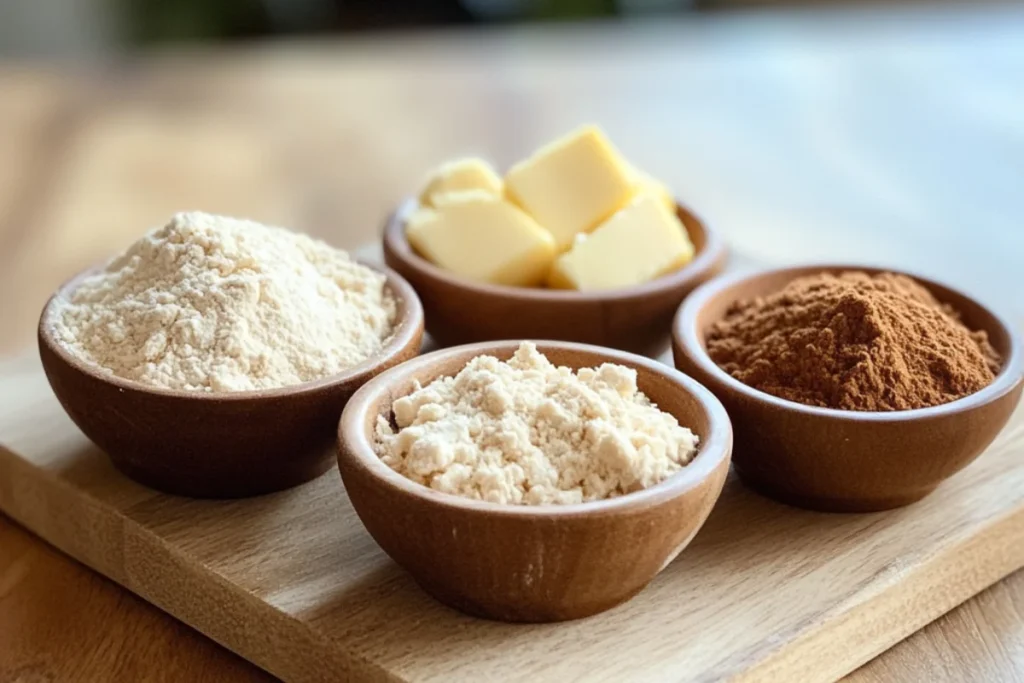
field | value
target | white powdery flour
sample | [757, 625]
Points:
[526, 432]
[208, 303]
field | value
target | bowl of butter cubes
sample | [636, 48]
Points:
[573, 243]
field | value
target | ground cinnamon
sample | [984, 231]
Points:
[854, 342]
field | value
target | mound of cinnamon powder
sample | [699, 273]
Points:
[853, 342]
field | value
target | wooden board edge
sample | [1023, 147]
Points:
[879, 618]
[882, 617]
[162, 576]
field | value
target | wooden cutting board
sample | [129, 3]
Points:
[292, 582]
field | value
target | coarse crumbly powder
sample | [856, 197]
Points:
[215, 304]
[527, 432]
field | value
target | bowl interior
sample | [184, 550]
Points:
[690, 403]
[708, 250]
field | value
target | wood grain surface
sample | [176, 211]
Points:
[889, 137]
[293, 582]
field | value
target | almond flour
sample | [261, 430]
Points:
[530, 433]
[214, 304]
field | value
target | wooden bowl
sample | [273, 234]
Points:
[217, 445]
[637, 319]
[840, 460]
[533, 563]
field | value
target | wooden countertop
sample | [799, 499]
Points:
[881, 138]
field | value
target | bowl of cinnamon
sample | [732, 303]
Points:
[850, 388]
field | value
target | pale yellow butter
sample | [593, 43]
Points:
[459, 175]
[484, 238]
[646, 184]
[642, 241]
[572, 184]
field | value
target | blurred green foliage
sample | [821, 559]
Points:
[148, 21]
[569, 9]
[171, 20]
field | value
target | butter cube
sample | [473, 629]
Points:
[458, 175]
[572, 184]
[482, 237]
[639, 243]
[646, 184]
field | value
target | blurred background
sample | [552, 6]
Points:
[71, 27]
[77, 27]
[84, 27]
[884, 133]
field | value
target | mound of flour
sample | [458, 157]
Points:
[526, 432]
[215, 304]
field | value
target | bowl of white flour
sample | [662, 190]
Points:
[533, 482]
[213, 357]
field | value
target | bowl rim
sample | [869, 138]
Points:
[684, 335]
[711, 452]
[406, 329]
[706, 259]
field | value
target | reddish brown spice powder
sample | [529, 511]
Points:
[853, 342]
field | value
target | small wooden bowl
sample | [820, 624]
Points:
[637, 319]
[840, 460]
[217, 445]
[530, 563]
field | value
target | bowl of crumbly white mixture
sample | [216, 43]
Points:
[213, 357]
[533, 481]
